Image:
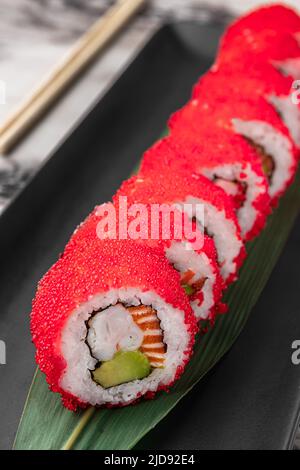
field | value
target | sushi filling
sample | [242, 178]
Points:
[191, 286]
[127, 343]
[267, 161]
[222, 230]
[290, 113]
[276, 147]
[289, 67]
[197, 277]
[116, 375]
[234, 188]
[253, 186]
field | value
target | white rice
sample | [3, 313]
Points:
[183, 258]
[223, 231]
[289, 67]
[290, 113]
[76, 378]
[246, 214]
[275, 144]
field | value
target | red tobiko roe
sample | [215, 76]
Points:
[88, 231]
[213, 113]
[152, 185]
[89, 269]
[200, 147]
[250, 46]
[245, 79]
[204, 131]
[194, 142]
[215, 103]
[241, 92]
[190, 148]
[278, 17]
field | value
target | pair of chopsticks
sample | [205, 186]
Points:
[86, 48]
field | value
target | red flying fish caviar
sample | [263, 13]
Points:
[152, 186]
[85, 271]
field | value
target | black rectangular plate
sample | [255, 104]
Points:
[247, 401]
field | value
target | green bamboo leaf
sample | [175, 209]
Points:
[45, 424]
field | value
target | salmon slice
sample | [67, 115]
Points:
[267, 160]
[186, 279]
[198, 285]
[153, 345]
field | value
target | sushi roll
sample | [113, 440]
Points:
[277, 17]
[191, 254]
[111, 323]
[271, 33]
[199, 275]
[228, 161]
[254, 119]
[250, 80]
[278, 49]
[216, 216]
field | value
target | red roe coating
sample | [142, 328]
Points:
[250, 46]
[277, 17]
[247, 80]
[186, 148]
[210, 111]
[222, 104]
[271, 32]
[227, 105]
[213, 107]
[89, 269]
[175, 185]
[199, 147]
[191, 147]
[87, 232]
[172, 186]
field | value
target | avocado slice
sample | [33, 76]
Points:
[189, 290]
[124, 367]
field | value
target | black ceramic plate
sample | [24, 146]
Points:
[251, 399]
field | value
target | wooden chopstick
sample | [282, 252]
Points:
[86, 48]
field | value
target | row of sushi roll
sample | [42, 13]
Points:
[115, 319]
